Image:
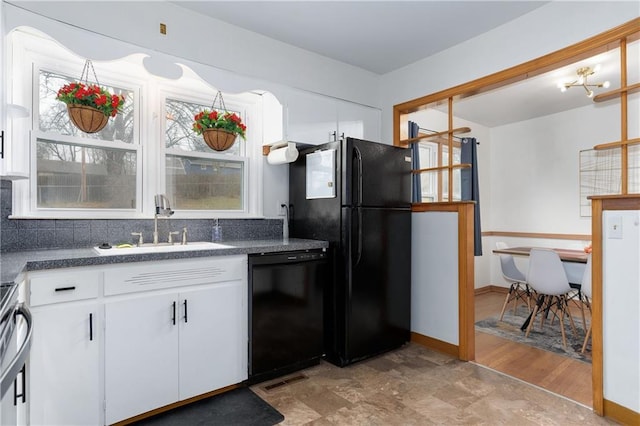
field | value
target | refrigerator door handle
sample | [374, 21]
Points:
[359, 252]
[358, 156]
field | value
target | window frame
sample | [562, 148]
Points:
[29, 54]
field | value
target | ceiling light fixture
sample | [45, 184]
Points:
[583, 74]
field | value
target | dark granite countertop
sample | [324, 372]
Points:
[14, 264]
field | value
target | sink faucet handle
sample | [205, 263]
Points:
[184, 236]
[171, 234]
[140, 239]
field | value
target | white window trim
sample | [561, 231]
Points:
[31, 55]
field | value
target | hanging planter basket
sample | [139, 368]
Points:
[218, 127]
[218, 139]
[89, 105]
[86, 118]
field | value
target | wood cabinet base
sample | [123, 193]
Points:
[175, 405]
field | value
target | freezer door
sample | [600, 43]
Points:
[375, 174]
[378, 280]
[317, 219]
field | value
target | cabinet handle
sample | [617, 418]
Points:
[66, 288]
[2, 144]
[173, 317]
[185, 310]
[91, 327]
[23, 379]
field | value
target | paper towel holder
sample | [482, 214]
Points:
[282, 153]
[266, 149]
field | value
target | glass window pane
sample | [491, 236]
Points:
[179, 125]
[634, 169]
[72, 176]
[54, 117]
[204, 183]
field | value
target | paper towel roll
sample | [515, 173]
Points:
[287, 154]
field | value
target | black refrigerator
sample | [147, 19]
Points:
[356, 194]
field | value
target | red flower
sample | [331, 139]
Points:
[101, 100]
[213, 115]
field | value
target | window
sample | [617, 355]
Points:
[83, 171]
[197, 178]
[434, 184]
[116, 172]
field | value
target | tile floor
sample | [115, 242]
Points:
[417, 386]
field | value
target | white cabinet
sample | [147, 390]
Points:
[317, 119]
[112, 342]
[141, 355]
[174, 330]
[213, 338]
[359, 121]
[64, 367]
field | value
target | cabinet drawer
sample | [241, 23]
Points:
[144, 276]
[55, 286]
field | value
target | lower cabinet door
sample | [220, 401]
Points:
[213, 338]
[141, 355]
[63, 369]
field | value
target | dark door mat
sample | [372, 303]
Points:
[239, 407]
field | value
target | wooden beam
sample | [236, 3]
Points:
[600, 43]
[613, 94]
[597, 373]
[616, 144]
[435, 135]
[435, 169]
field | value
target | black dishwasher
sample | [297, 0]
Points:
[286, 311]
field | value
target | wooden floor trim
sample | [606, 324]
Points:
[435, 344]
[621, 414]
[491, 289]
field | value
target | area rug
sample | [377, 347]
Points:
[548, 338]
[239, 407]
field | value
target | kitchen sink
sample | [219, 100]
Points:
[125, 249]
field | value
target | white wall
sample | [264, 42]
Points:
[434, 275]
[208, 41]
[621, 310]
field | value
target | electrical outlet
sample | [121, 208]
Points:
[614, 227]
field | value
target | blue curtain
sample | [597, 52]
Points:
[470, 188]
[416, 191]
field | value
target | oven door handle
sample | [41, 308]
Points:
[11, 372]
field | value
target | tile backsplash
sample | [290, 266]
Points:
[31, 234]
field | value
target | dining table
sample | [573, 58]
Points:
[566, 255]
[573, 261]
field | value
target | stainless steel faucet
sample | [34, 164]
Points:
[184, 236]
[163, 208]
[140, 239]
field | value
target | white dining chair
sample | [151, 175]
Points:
[585, 288]
[518, 289]
[547, 277]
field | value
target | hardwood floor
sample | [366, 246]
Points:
[556, 373]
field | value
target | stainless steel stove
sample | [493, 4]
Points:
[13, 354]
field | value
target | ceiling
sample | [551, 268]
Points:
[378, 36]
[381, 36]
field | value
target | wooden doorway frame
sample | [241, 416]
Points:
[612, 39]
